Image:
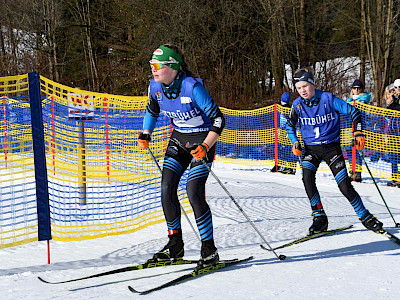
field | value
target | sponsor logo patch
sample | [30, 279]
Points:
[308, 158]
[172, 151]
[339, 165]
[158, 52]
[186, 100]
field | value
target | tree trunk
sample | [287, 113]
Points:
[50, 24]
[303, 59]
[362, 44]
[379, 23]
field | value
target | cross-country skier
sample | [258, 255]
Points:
[196, 120]
[318, 115]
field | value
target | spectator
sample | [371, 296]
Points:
[284, 151]
[388, 95]
[396, 94]
[393, 128]
[357, 94]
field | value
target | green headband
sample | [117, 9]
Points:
[168, 56]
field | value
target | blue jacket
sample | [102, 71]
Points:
[364, 98]
[187, 104]
[319, 118]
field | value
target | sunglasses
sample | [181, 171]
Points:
[357, 88]
[157, 65]
[392, 90]
[160, 65]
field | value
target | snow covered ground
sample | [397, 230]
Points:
[353, 264]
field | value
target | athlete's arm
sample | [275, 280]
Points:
[342, 107]
[291, 125]
[151, 115]
[211, 109]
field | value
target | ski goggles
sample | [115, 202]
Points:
[159, 65]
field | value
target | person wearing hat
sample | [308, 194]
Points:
[357, 94]
[317, 113]
[197, 123]
[285, 99]
[285, 153]
[392, 127]
[396, 94]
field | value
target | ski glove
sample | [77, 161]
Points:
[200, 151]
[297, 150]
[359, 140]
[144, 140]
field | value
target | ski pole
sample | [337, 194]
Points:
[301, 162]
[369, 171]
[280, 257]
[186, 216]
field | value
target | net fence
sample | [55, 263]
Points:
[18, 220]
[258, 138]
[100, 183]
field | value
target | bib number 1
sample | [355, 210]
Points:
[316, 132]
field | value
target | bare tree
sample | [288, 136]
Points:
[81, 10]
[379, 24]
[50, 9]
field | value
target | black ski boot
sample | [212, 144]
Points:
[320, 223]
[287, 171]
[394, 183]
[173, 249]
[371, 222]
[209, 253]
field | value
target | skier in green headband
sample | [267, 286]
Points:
[197, 123]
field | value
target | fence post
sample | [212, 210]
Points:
[5, 129]
[276, 134]
[39, 156]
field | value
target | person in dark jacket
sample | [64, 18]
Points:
[284, 102]
[357, 94]
[393, 128]
[317, 114]
[197, 123]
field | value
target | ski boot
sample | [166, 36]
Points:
[320, 223]
[394, 183]
[287, 171]
[173, 249]
[209, 254]
[371, 222]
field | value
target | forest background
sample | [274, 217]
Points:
[242, 49]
